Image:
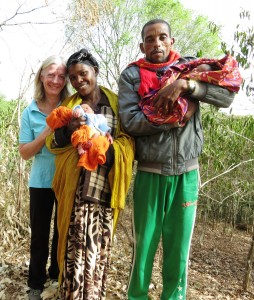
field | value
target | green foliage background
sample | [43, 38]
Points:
[226, 168]
[111, 29]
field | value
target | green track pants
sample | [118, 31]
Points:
[163, 206]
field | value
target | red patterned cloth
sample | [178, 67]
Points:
[148, 73]
[224, 73]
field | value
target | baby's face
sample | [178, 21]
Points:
[87, 109]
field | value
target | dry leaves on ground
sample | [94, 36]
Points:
[217, 265]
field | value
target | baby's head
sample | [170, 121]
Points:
[87, 108]
[203, 68]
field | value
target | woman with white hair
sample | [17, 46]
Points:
[50, 89]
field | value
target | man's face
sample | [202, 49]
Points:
[157, 43]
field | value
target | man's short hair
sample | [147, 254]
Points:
[152, 22]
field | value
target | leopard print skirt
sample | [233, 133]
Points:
[87, 256]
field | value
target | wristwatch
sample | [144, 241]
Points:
[191, 86]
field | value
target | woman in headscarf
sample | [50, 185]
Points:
[89, 202]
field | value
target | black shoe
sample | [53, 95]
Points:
[34, 294]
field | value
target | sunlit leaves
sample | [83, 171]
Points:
[112, 29]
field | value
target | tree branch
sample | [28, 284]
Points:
[227, 171]
[18, 13]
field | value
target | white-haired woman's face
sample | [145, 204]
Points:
[54, 79]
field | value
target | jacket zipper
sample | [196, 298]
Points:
[174, 163]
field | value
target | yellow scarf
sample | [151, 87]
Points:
[67, 174]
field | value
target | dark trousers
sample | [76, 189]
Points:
[42, 202]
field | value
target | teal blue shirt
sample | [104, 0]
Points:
[33, 122]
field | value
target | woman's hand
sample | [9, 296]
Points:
[75, 123]
[47, 131]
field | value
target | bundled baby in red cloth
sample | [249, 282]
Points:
[222, 72]
[91, 140]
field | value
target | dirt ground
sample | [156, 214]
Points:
[216, 271]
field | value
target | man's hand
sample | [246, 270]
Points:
[192, 107]
[166, 97]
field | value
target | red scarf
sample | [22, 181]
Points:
[148, 77]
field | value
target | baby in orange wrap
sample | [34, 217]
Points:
[91, 140]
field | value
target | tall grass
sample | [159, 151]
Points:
[14, 215]
[226, 168]
[227, 163]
